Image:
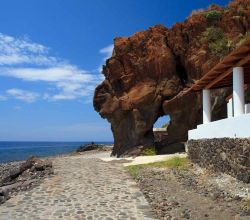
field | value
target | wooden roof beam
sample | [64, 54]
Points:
[225, 74]
[244, 50]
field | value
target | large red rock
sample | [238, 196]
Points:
[149, 68]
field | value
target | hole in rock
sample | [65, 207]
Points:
[162, 122]
[160, 132]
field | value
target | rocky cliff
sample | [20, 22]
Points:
[152, 66]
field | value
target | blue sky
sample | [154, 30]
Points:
[51, 52]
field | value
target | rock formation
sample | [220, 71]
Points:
[149, 68]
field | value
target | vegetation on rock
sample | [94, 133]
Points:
[148, 151]
[219, 45]
[243, 37]
[212, 16]
[212, 34]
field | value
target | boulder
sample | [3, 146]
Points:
[43, 165]
[29, 163]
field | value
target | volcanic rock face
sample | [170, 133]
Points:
[139, 75]
[151, 67]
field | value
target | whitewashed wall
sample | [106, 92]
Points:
[247, 108]
[230, 108]
[231, 127]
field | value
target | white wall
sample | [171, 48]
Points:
[230, 108]
[231, 127]
[247, 108]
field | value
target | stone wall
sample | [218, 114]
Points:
[228, 155]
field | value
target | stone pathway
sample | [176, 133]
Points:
[83, 187]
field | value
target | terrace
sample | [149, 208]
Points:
[233, 71]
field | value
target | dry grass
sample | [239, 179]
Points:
[173, 163]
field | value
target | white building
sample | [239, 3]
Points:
[233, 71]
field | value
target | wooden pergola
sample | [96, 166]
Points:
[221, 75]
[233, 71]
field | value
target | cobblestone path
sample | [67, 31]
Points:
[82, 188]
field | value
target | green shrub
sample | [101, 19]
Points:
[243, 37]
[212, 34]
[212, 16]
[221, 47]
[148, 151]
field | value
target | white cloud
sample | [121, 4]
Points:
[107, 52]
[3, 98]
[23, 59]
[15, 51]
[23, 95]
[50, 74]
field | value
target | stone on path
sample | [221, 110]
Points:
[83, 187]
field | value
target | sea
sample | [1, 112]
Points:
[16, 151]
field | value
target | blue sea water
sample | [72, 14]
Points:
[15, 151]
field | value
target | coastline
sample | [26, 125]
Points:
[170, 192]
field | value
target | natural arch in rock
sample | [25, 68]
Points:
[162, 122]
[148, 69]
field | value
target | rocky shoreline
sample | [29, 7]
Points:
[22, 175]
[93, 146]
